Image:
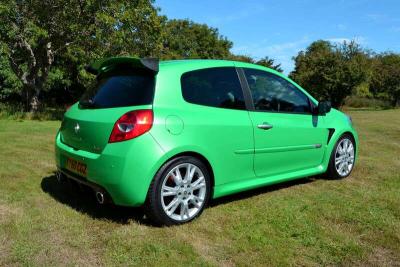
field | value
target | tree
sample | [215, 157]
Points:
[331, 71]
[45, 44]
[187, 39]
[183, 38]
[34, 34]
[265, 61]
[9, 83]
[269, 63]
[385, 82]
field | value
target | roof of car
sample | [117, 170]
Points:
[204, 63]
[154, 64]
[186, 61]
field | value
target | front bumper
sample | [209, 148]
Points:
[124, 170]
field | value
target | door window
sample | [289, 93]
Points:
[273, 93]
[215, 87]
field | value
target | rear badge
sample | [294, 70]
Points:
[77, 128]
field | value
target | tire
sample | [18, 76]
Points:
[341, 168]
[175, 199]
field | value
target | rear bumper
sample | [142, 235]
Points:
[63, 173]
[124, 170]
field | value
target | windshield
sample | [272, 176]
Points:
[120, 89]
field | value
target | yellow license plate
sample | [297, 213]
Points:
[76, 167]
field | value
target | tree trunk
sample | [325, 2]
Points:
[36, 73]
[35, 104]
[32, 102]
[395, 101]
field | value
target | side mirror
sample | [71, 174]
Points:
[323, 108]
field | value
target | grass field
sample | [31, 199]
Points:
[310, 222]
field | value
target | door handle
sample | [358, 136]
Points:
[264, 126]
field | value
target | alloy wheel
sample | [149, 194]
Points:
[344, 157]
[183, 192]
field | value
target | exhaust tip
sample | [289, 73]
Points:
[100, 197]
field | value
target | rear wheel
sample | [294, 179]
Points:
[342, 158]
[179, 191]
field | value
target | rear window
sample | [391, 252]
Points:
[215, 87]
[120, 89]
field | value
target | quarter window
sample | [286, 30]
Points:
[273, 93]
[215, 87]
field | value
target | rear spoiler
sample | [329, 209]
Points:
[103, 65]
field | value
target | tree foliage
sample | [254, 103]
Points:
[385, 82]
[331, 72]
[44, 46]
[265, 61]
[186, 39]
[36, 34]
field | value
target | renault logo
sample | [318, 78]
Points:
[77, 128]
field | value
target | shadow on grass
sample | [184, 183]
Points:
[82, 199]
[262, 190]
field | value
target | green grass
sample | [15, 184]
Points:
[355, 221]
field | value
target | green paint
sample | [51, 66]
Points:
[241, 155]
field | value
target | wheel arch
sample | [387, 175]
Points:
[337, 134]
[200, 157]
[352, 136]
[349, 133]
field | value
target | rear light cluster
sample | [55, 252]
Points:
[132, 124]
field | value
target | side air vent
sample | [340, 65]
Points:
[330, 134]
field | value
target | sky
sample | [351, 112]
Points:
[280, 29]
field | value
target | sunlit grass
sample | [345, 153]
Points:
[355, 221]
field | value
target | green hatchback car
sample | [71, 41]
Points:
[172, 135]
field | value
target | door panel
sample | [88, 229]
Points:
[294, 142]
[212, 119]
[287, 137]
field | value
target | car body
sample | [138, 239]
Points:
[244, 143]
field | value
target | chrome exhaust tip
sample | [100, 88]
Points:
[100, 197]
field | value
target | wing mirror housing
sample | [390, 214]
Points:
[323, 108]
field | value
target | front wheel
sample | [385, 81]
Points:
[342, 158]
[179, 191]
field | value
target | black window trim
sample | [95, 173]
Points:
[249, 99]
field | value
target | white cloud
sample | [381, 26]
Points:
[234, 16]
[341, 27]
[338, 40]
[394, 29]
[382, 18]
[358, 39]
[376, 17]
[282, 53]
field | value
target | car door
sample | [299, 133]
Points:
[207, 116]
[287, 137]
[219, 121]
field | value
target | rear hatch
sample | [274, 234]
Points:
[122, 85]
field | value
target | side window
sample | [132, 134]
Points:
[215, 87]
[273, 93]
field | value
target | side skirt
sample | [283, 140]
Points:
[243, 185]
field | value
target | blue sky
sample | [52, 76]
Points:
[280, 29]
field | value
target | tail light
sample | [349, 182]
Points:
[132, 124]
